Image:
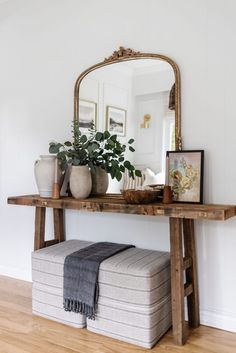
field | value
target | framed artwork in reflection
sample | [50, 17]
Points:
[87, 115]
[116, 120]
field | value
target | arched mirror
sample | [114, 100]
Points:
[134, 95]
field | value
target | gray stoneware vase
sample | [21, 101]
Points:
[80, 181]
[99, 181]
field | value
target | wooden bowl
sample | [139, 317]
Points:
[140, 196]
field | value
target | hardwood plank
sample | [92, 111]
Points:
[39, 235]
[177, 281]
[33, 334]
[118, 205]
[191, 273]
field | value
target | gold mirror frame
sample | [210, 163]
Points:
[128, 54]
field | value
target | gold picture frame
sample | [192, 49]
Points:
[116, 120]
[88, 115]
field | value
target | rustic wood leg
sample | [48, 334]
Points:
[191, 273]
[59, 235]
[177, 281]
[58, 217]
[39, 235]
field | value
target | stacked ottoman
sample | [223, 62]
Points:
[134, 297]
[47, 275]
[134, 293]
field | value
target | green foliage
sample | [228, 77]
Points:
[98, 149]
[76, 152]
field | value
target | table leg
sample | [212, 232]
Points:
[191, 273]
[177, 281]
[58, 218]
[39, 235]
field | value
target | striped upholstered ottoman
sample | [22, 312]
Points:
[47, 275]
[134, 292]
[134, 297]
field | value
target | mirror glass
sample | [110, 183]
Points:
[132, 99]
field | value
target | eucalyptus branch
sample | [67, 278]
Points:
[100, 149]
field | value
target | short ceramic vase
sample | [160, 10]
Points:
[80, 181]
[99, 181]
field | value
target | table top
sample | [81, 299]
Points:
[116, 204]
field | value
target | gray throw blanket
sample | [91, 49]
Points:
[81, 276]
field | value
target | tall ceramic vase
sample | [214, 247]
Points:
[80, 181]
[99, 181]
[44, 171]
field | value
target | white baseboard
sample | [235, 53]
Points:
[16, 273]
[218, 319]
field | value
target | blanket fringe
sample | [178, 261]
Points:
[79, 307]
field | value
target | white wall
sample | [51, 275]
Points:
[151, 91]
[44, 47]
[148, 142]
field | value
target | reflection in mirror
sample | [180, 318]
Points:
[132, 99]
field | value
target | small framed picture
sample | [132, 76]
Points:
[87, 115]
[184, 172]
[116, 120]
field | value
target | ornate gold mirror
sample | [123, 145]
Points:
[134, 95]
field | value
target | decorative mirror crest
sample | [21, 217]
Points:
[122, 53]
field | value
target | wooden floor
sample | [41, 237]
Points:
[21, 332]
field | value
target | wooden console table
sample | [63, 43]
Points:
[182, 243]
